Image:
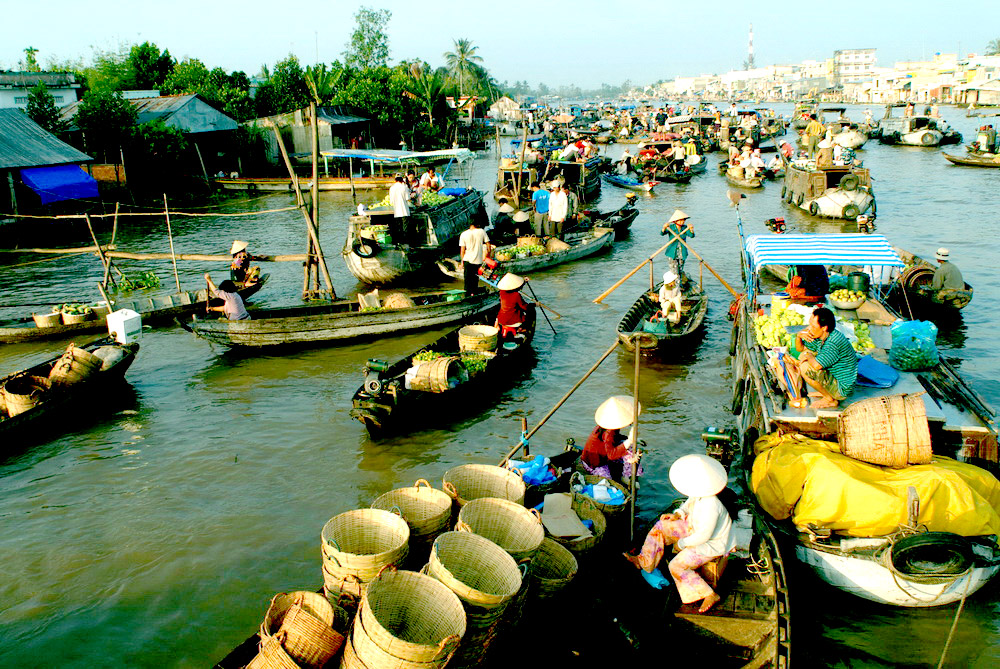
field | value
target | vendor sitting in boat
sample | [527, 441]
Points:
[700, 530]
[947, 277]
[670, 297]
[232, 304]
[826, 360]
[240, 271]
[516, 317]
[608, 452]
[808, 283]
[503, 228]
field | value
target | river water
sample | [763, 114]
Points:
[156, 533]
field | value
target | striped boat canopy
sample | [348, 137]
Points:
[842, 249]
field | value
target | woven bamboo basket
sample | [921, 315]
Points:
[606, 509]
[21, 393]
[397, 301]
[411, 616]
[891, 431]
[552, 569]
[474, 568]
[307, 621]
[360, 652]
[272, 655]
[47, 320]
[507, 524]
[586, 509]
[363, 541]
[468, 482]
[74, 365]
[437, 375]
[556, 244]
[75, 319]
[343, 591]
[478, 338]
[425, 509]
[530, 240]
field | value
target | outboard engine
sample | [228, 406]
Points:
[374, 383]
[775, 225]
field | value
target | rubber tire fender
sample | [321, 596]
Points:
[851, 212]
[784, 191]
[927, 139]
[814, 208]
[800, 199]
[849, 182]
[914, 550]
[734, 336]
[366, 248]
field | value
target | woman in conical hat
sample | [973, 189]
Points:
[701, 528]
[515, 315]
[240, 271]
[607, 450]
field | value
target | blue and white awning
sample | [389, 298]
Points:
[843, 249]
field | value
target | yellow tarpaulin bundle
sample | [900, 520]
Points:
[812, 482]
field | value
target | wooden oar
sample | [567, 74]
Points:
[630, 274]
[549, 309]
[710, 269]
[532, 291]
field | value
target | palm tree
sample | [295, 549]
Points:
[993, 48]
[461, 61]
[321, 82]
[426, 86]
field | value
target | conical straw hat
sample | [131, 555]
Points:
[678, 216]
[698, 475]
[615, 412]
[510, 282]
[237, 247]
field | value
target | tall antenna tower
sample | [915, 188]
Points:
[750, 63]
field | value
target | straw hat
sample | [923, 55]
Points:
[520, 217]
[615, 412]
[237, 247]
[669, 277]
[942, 254]
[678, 216]
[505, 209]
[510, 282]
[698, 475]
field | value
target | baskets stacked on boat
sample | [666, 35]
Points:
[426, 510]
[300, 629]
[468, 482]
[891, 431]
[357, 546]
[607, 508]
[553, 568]
[23, 392]
[478, 338]
[507, 524]
[74, 365]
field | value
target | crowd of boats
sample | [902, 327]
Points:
[885, 529]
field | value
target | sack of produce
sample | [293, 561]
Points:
[914, 345]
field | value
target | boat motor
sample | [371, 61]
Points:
[489, 269]
[776, 225]
[373, 376]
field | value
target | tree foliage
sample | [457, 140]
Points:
[463, 64]
[285, 89]
[106, 120]
[147, 67]
[42, 109]
[369, 45]
[30, 61]
[427, 87]
[109, 71]
[230, 93]
[993, 48]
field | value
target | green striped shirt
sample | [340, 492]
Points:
[836, 355]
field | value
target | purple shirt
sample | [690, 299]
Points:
[232, 305]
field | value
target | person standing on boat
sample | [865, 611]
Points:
[399, 200]
[540, 202]
[515, 315]
[700, 529]
[558, 210]
[676, 252]
[503, 225]
[813, 133]
[232, 304]
[826, 360]
[608, 452]
[474, 248]
[947, 276]
[573, 209]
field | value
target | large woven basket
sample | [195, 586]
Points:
[306, 621]
[74, 365]
[23, 392]
[272, 655]
[480, 572]
[410, 616]
[891, 431]
[552, 569]
[478, 338]
[438, 375]
[425, 509]
[343, 590]
[362, 542]
[586, 509]
[465, 483]
[606, 509]
[398, 301]
[507, 524]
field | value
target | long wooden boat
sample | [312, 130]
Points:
[973, 161]
[837, 191]
[628, 183]
[743, 182]
[155, 310]
[340, 321]
[279, 184]
[619, 220]
[635, 326]
[916, 280]
[385, 404]
[434, 233]
[62, 399]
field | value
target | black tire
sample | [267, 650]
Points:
[784, 191]
[932, 554]
[739, 389]
[365, 248]
[851, 212]
[734, 336]
[927, 139]
[850, 182]
[800, 199]
[814, 208]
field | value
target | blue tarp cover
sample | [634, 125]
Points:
[59, 182]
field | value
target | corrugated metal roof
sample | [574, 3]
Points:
[23, 143]
[32, 79]
[188, 113]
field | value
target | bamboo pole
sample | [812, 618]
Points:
[170, 236]
[695, 254]
[520, 167]
[630, 274]
[314, 270]
[350, 177]
[114, 225]
[68, 251]
[104, 260]
[293, 257]
[635, 435]
[562, 401]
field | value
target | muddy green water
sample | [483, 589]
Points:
[155, 535]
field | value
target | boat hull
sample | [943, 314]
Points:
[973, 161]
[280, 184]
[630, 328]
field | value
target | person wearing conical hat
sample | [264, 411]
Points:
[676, 253]
[240, 271]
[701, 528]
[522, 223]
[503, 223]
[516, 316]
[608, 451]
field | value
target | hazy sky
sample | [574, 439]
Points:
[585, 43]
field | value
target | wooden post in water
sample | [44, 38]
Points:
[520, 167]
[315, 187]
[350, 177]
[100, 252]
[170, 236]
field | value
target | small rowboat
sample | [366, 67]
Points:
[656, 336]
[629, 183]
[619, 220]
[581, 245]
[914, 286]
[742, 182]
[973, 160]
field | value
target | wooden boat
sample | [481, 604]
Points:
[629, 183]
[285, 184]
[433, 233]
[584, 178]
[915, 130]
[960, 424]
[837, 191]
[62, 399]
[972, 160]
[340, 321]
[915, 282]
[743, 182]
[155, 310]
[659, 337]
[619, 220]
[385, 403]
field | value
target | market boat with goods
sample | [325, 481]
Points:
[630, 183]
[916, 522]
[343, 320]
[915, 130]
[584, 178]
[742, 181]
[800, 117]
[49, 391]
[468, 362]
[620, 220]
[155, 310]
[833, 191]
[509, 177]
[912, 292]
[845, 132]
[643, 322]
[376, 252]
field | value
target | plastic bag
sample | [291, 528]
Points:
[914, 345]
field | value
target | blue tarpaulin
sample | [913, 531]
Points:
[59, 182]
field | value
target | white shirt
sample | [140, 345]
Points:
[711, 528]
[756, 161]
[558, 206]
[474, 240]
[399, 198]
[429, 180]
[569, 152]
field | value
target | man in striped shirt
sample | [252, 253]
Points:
[827, 360]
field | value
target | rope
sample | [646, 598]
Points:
[954, 624]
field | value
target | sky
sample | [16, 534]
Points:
[586, 43]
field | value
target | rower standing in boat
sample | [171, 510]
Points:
[474, 247]
[813, 133]
[399, 199]
[947, 277]
[515, 316]
[232, 304]
[608, 452]
[240, 270]
[676, 252]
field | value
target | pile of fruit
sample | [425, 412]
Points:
[138, 281]
[432, 199]
[863, 332]
[844, 295]
[475, 361]
[425, 356]
[770, 330]
[74, 309]
[508, 253]
[381, 204]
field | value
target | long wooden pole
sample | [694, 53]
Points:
[170, 236]
[314, 269]
[635, 436]
[562, 401]
[293, 257]
[709, 267]
[520, 167]
[104, 261]
[68, 251]
[631, 274]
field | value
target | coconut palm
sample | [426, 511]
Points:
[993, 48]
[321, 82]
[462, 61]
[426, 86]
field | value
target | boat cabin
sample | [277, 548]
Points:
[814, 181]
[508, 178]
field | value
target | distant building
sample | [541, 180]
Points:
[188, 113]
[853, 66]
[15, 86]
[339, 127]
